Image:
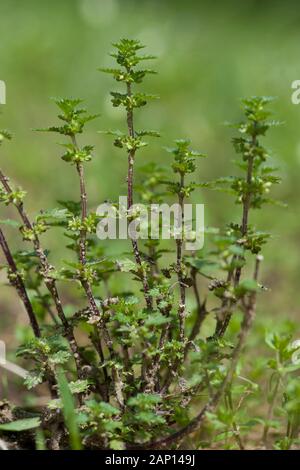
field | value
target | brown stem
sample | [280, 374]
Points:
[125, 349]
[19, 285]
[96, 340]
[246, 209]
[201, 308]
[88, 288]
[179, 243]
[222, 325]
[44, 302]
[130, 176]
[182, 287]
[46, 273]
[152, 377]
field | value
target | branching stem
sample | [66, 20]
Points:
[46, 273]
[130, 178]
[17, 282]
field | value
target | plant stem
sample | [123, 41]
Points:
[19, 285]
[201, 308]
[222, 325]
[88, 288]
[182, 288]
[249, 313]
[270, 412]
[130, 177]
[246, 208]
[46, 273]
[179, 243]
[235, 428]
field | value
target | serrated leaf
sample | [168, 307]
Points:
[126, 265]
[79, 386]
[33, 379]
[60, 357]
[157, 319]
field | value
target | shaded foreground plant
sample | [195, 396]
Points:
[127, 369]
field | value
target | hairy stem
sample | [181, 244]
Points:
[130, 176]
[226, 306]
[46, 273]
[182, 287]
[249, 313]
[88, 288]
[18, 283]
[179, 244]
[201, 308]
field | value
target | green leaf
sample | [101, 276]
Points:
[55, 404]
[69, 411]
[117, 445]
[199, 263]
[246, 286]
[126, 265]
[107, 409]
[80, 386]
[54, 214]
[60, 357]
[157, 319]
[34, 378]
[12, 223]
[21, 425]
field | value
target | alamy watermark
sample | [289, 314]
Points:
[2, 353]
[295, 97]
[296, 355]
[10, 366]
[2, 92]
[155, 221]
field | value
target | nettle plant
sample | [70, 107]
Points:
[133, 369]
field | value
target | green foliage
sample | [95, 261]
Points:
[74, 118]
[283, 396]
[184, 158]
[126, 366]
[15, 197]
[75, 155]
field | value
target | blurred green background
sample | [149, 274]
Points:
[210, 54]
